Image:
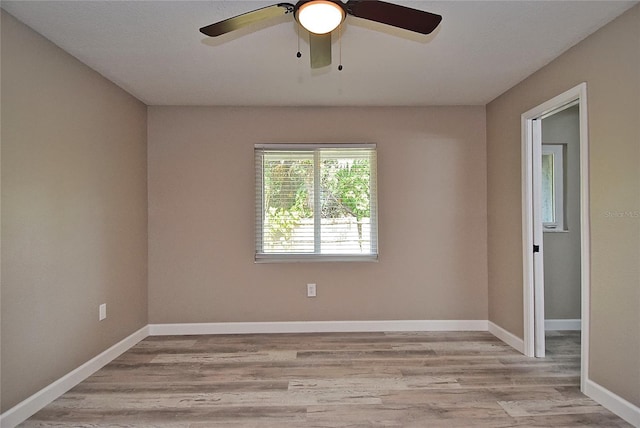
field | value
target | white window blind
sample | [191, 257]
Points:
[316, 202]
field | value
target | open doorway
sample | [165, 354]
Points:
[538, 217]
[560, 192]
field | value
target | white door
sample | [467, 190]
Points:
[538, 258]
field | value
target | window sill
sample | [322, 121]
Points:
[314, 258]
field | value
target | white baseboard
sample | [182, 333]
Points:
[27, 408]
[316, 327]
[30, 406]
[618, 405]
[556, 325]
[507, 337]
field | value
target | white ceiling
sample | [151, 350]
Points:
[153, 49]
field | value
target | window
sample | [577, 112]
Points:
[316, 202]
[552, 187]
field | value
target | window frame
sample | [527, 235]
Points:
[262, 257]
[557, 151]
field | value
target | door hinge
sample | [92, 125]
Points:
[536, 248]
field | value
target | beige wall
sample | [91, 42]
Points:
[432, 231]
[609, 61]
[562, 249]
[74, 213]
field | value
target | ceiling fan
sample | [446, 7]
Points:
[321, 17]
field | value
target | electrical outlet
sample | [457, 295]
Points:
[102, 312]
[311, 290]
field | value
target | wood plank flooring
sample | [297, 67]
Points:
[435, 379]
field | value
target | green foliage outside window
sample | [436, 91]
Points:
[289, 192]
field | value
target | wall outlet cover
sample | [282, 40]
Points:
[311, 290]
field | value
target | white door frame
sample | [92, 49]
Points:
[531, 288]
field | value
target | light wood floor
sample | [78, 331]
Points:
[333, 380]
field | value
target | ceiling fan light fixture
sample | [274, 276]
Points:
[320, 16]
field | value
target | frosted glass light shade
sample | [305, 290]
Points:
[320, 16]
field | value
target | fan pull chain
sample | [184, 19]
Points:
[299, 54]
[340, 47]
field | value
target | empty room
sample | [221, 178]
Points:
[324, 213]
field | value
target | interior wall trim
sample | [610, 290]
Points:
[315, 327]
[560, 325]
[506, 336]
[30, 406]
[613, 402]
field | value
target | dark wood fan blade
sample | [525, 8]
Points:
[320, 50]
[245, 19]
[395, 15]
